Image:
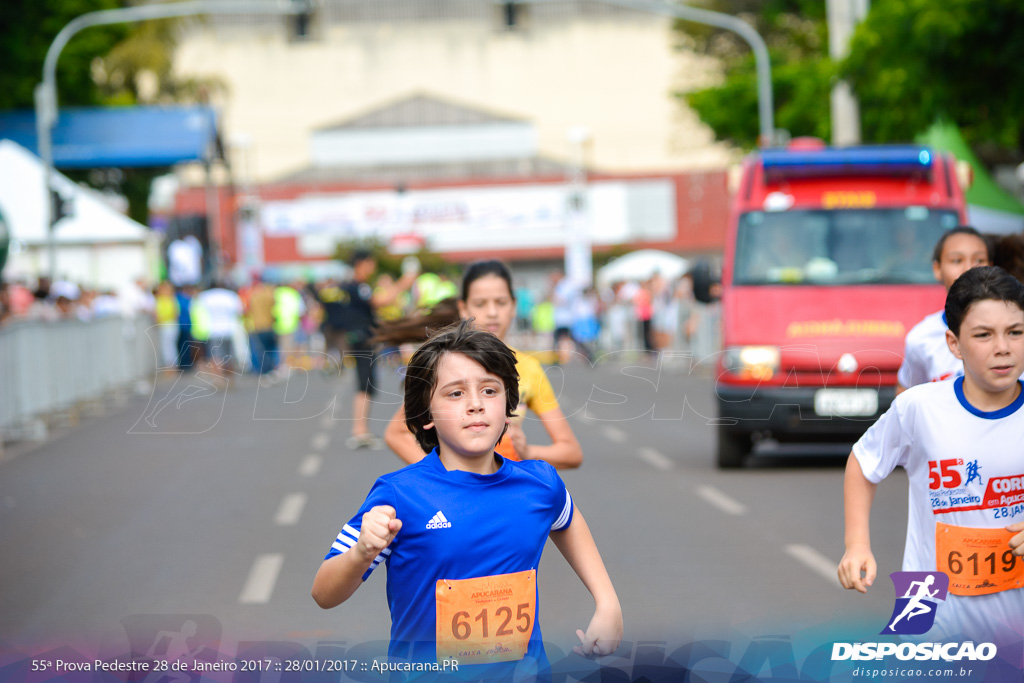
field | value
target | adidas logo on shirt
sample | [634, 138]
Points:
[439, 521]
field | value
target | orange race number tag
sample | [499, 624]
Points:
[978, 561]
[485, 620]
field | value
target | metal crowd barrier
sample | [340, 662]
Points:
[52, 368]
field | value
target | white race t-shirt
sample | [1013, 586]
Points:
[966, 468]
[185, 261]
[926, 356]
[224, 308]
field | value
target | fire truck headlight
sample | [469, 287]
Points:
[752, 362]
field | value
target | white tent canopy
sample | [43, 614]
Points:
[96, 245]
[642, 265]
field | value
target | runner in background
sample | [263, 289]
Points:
[359, 307]
[487, 297]
[926, 356]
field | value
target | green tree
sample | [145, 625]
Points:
[796, 34]
[430, 261]
[138, 70]
[911, 62]
[28, 27]
[118, 65]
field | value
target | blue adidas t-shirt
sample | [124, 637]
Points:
[459, 525]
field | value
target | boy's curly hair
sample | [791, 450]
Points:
[421, 375]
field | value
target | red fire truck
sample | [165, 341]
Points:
[827, 266]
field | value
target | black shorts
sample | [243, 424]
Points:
[365, 358]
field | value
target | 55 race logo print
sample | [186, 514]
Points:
[958, 485]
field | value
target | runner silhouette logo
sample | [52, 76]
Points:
[917, 598]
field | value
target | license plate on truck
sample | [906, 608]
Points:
[846, 402]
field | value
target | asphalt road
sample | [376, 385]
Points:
[219, 505]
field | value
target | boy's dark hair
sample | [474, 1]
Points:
[421, 375]
[479, 269]
[960, 230]
[360, 255]
[980, 284]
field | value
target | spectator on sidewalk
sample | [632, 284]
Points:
[261, 313]
[222, 309]
[167, 324]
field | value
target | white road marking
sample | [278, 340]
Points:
[290, 509]
[723, 502]
[814, 560]
[262, 577]
[615, 434]
[654, 459]
[320, 441]
[327, 421]
[310, 465]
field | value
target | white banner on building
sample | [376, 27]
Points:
[472, 218]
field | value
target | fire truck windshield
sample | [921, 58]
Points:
[839, 247]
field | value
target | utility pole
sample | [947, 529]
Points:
[843, 17]
[46, 92]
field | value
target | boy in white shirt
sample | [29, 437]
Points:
[959, 442]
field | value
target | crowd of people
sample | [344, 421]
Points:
[295, 322]
[467, 389]
[66, 300]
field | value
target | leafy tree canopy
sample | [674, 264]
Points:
[913, 61]
[28, 27]
[910, 63]
[117, 65]
[797, 38]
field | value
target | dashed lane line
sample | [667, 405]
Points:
[290, 509]
[262, 577]
[723, 502]
[310, 465]
[615, 434]
[654, 458]
[320, 441]
[815, 561]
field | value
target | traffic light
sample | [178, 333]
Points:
[511, 14]
[59, 206]
[303, 18]
[706, 284]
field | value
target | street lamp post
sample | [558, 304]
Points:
[579, 265]
[765, 107]
[46, 92]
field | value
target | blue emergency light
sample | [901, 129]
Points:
[905, 160]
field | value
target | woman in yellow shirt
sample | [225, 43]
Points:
[167, 322]
[487, 296]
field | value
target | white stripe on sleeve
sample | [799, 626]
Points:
[564, 518]
[351, 532]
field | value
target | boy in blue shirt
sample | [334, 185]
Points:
[462, 531]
